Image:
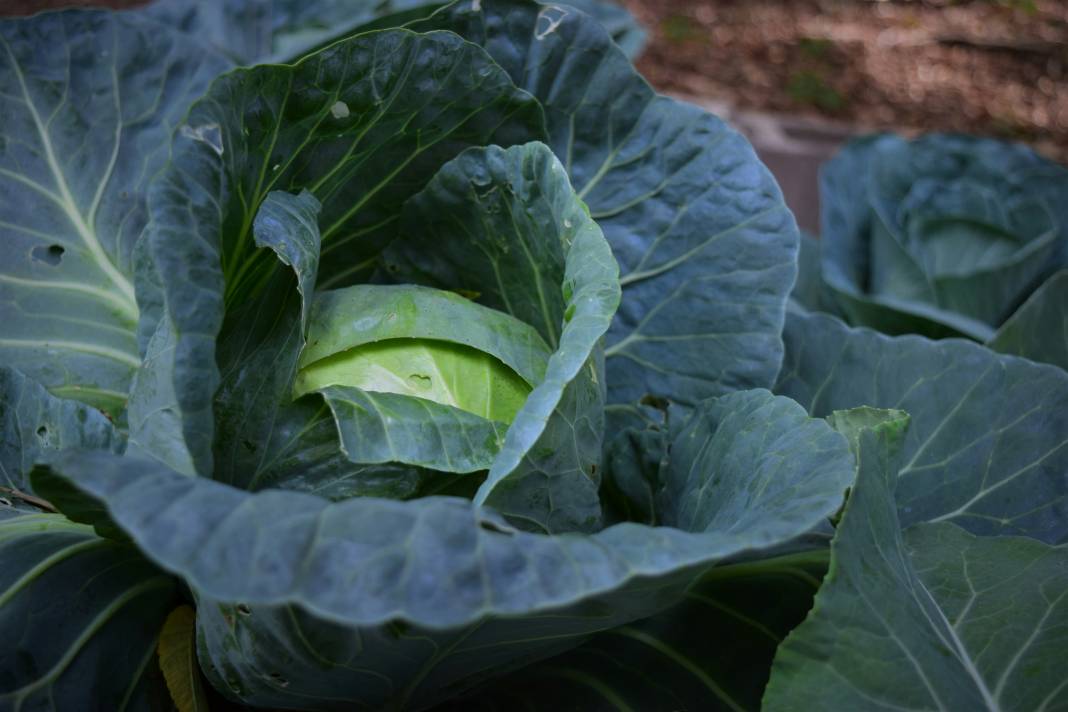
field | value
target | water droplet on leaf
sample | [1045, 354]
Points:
[340, 110]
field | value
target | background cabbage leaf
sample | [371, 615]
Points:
[988, 446]
[1038, 330]
[941, 236]
[934, 617]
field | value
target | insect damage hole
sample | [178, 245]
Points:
[51, 255]
[210, 134]
[548, 20]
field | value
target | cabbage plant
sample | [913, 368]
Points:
[948, 236]
[429, 359]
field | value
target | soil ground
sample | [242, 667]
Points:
[989, 67]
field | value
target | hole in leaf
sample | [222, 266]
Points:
[420, 381]
[243, 609]
[249, 445]
[210, 134]
[42, 432]
[398, 629]
[6, 502]
[654, 401]
[484, 190]
[279, 680]
[51, 255]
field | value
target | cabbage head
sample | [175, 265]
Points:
[319, 341]
[394, 356]
[948, 236]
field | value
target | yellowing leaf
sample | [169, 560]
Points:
[178, 660]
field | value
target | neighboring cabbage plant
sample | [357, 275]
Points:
[947, 236]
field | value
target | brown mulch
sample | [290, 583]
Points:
[990, 67]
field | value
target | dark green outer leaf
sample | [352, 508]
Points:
[808, 291]
[216, 526]
[279, 30]
[32, 422]
[712, 651]
[625, 30]
[387, 427]
[328, 124]
[988, 446]
[749, 428]
[79, 617]
[287, 224]
[257, 354]
[634, 457]
[88, 100]
[706, 246]
[507, 224]
[257, 424]
[285, 30]
[239, 28]
[1039, 329]
[470, 596]
[283, 656]
[934, 619]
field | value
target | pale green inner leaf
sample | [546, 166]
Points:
[439, 371]
[960, 246]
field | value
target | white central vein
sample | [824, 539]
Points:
[66, 200]
[95, 349]
[88, 289]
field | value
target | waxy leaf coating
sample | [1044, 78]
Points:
[445, 568]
